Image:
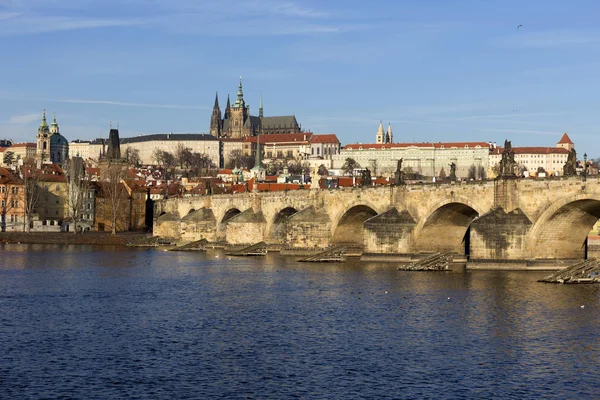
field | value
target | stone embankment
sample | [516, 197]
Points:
[88, 238]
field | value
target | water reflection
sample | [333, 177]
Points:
[98, 322]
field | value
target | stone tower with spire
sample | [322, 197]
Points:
[239, 114]
[216, 122]
[42, 152]
[389, 137]
[380, 136]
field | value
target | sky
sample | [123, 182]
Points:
[436, 70]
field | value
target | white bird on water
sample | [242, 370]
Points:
[583, 306]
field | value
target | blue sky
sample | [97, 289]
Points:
[437, 70]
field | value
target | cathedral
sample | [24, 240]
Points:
[238, 123]
[52, 147]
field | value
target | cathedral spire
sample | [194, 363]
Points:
[239, 102]
[216, 101]
[44, 123]
[260, 107]
[257, 162]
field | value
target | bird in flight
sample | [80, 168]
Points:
[519, 26]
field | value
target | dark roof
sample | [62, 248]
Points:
[168, 136]
[286, 121]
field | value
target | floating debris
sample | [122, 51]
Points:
[258, 249]
[334, 254]
[434, 262]
[587, 271]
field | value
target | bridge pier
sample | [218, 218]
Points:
[389, 233]
[308, 229]
[246, 228]
[499, 235]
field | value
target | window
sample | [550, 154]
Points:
[318, 150]
[57, 188]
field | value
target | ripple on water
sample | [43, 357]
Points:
[144, 324]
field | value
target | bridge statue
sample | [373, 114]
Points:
[570, 167]
[366, 177]
[314, 177]
[507, 163]
[399, 175]
[452, 176]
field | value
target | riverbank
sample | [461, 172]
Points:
[88, 238]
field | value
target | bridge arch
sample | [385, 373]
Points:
[277, 224]
[230, 213]
[445, 225]
[349, 226]
[561, 230]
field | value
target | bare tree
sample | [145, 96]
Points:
[349, 166]
[238, 159]
[132, 156]
[113, 191]
[157, 156]
[77, 188]
[32, 193]
[323, 170]
[183, 155]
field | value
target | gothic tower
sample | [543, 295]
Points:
[216, 123]
[42, 152]
[238, 115]
[389, 138]
[380, 136]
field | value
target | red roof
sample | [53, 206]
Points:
[326, 138]
[24, 145]
[384, 146]
[280, 138]
[533, 150]
[565, 139]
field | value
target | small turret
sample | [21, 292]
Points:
[389, 138]
[54, 127]
[380, 136]
[44, 123]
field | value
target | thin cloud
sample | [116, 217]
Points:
[128, 104]
[24, 119]
[526, 132]
[106, 102]
[549, 39]
[33, 25]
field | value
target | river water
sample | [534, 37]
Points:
[101, 322]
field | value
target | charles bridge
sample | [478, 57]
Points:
[504, 219]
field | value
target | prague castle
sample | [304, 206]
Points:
[238, 123]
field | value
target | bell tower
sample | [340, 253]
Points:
[42, 152]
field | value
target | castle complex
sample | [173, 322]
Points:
[238, 123]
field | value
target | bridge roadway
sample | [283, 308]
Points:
[513, 219]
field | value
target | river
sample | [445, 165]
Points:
[101, 322]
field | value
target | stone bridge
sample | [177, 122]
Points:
[513, 219]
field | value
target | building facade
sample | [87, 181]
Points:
[426, 159]
[549, 160]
